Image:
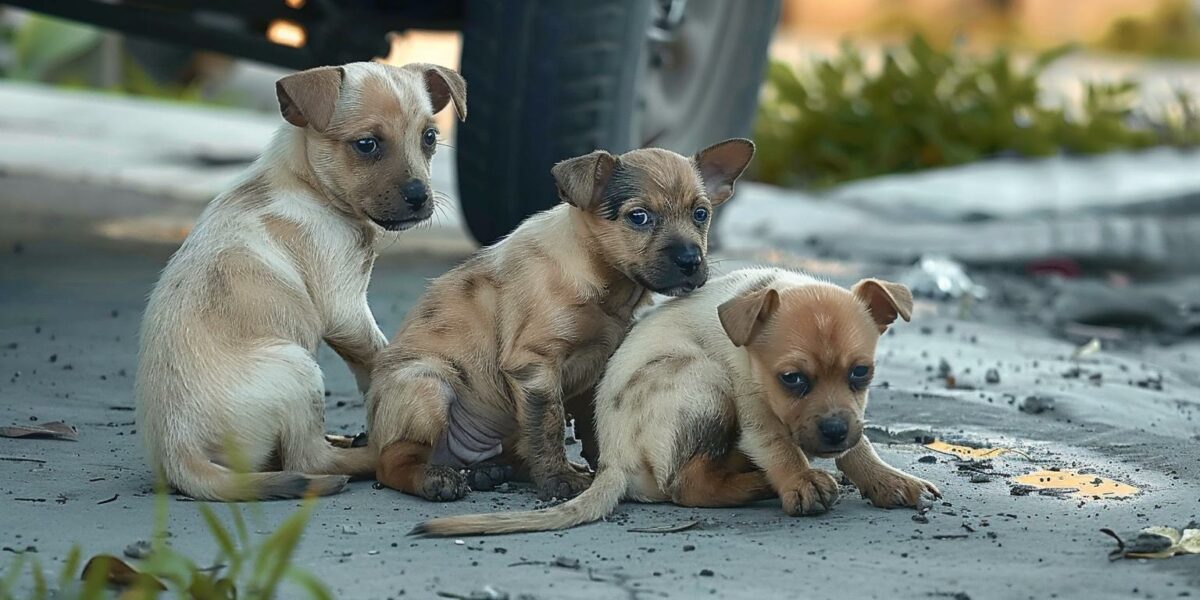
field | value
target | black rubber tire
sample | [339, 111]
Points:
[552, 79]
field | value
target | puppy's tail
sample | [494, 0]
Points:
[595, 503]
[202, 479]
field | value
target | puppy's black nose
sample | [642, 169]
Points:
[415, 193]
[833, 430]
[687, 258]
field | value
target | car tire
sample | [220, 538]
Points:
[552, 79]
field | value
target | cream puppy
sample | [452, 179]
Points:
[227, 378]
[720, 398]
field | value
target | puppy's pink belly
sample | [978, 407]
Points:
[471, 437]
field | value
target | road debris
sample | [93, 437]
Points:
[1157, 542]
[56, 430]
[942, 278]
[138, 550]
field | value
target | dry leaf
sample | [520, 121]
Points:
[1189, 542]
[57, 430]
[118, 572]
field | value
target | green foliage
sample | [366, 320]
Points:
[838, 120]
[241, 568]
[1171, 31]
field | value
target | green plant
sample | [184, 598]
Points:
[1171, 31]
[838, 120]
[241, 568]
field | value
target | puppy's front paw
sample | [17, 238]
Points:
[893, 489]
[443, 484]
[564, 484]
[812, 492]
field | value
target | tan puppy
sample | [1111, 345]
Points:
[484, 361]
[718, 399]
[273, 267]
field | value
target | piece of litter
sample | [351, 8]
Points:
[349, 530]
[1072, 483]
[942, 277]
[965, 451]
[665, 528]
[1092, 347]
[459, 543]
[56, 430]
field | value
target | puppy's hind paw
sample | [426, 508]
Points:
[566, 484]
[444, 484]
[485, 477]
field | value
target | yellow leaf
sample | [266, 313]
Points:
[1085, 485]
[964, 451]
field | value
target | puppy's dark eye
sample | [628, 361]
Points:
[795, 382]
[700, 215]
[366, 146]
[639, 217]
[859, 376]
[429, 138]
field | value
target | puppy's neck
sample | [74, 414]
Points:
[620, 295]
[286, 163]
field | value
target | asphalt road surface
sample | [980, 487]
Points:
[69, 312]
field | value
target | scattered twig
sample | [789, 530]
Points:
[665, 528]
[30, 499]
[113, 499]
[19, 459]
[950, 536]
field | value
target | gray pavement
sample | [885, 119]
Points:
[83, 234]
[69, 310]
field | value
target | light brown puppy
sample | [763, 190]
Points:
[718, 399]
[484, 361]
[273, 267]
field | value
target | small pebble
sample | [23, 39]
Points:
[980, 478]
[927, 459]
[992, 376]
[706, 573]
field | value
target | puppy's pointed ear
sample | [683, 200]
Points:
[885, 300]
[443, 86]
[744, 317]
[721, 164]
[581, 180]
[308, 98]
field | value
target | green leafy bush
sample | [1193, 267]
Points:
[838, 120]
[241, 568]
[1171, 31]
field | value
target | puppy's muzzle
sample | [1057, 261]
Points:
[688, 258]
[409, 204]
[415, 194]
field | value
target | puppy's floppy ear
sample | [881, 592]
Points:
[885, 300]
[308, 98]
[443, 86]
[721, 164]
[581, 180]
[743, 317]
